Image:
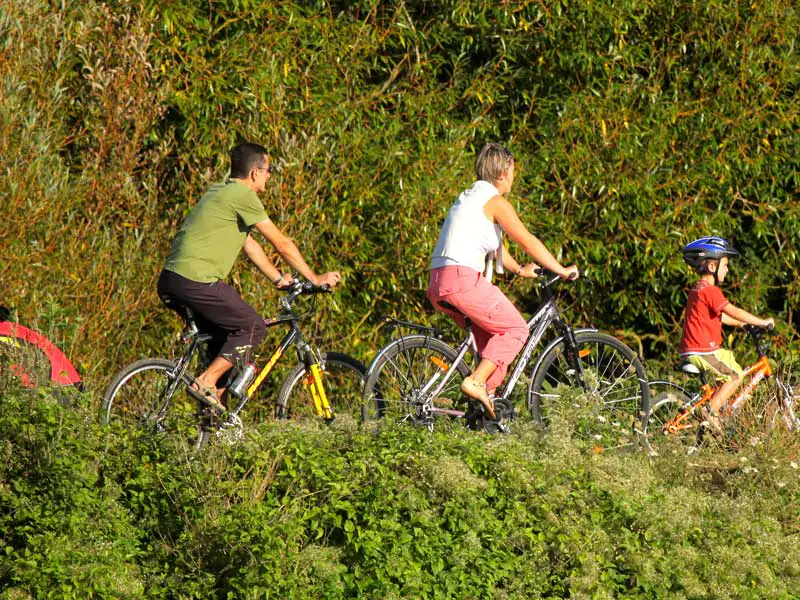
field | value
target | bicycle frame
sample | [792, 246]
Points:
[546, 315]
[293, 337]
[752, 376]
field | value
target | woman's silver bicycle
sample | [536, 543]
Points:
[586, 379]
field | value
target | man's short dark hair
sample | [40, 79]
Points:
[245, 157]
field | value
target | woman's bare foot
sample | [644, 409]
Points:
[477, 391]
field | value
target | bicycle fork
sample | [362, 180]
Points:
[313, 380]
[321, 404]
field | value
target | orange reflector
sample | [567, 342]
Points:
[439, 363]
[584, 353]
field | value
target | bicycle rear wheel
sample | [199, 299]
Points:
[403, 374]
[146, 395]
[343, 380]
[606, 406]
[666, 399]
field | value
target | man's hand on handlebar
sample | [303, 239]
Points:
[768, 323]
[285, 281]
[330, 279]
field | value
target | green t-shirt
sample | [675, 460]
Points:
[213, 234]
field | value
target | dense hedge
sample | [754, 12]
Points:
[637, 126]
[307, 511]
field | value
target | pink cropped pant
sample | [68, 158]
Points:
[500, 330]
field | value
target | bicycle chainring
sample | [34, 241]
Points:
[504, 413]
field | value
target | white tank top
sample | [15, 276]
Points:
[467, 236]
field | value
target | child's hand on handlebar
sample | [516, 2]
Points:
[768, 323]
[531, 270]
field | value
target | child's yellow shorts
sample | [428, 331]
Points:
[721, 365]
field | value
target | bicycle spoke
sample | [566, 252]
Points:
[405, 375]
[603, 401]
[145, 395]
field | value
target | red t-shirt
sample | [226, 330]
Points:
[702, 326]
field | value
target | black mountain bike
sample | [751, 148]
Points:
[157, 393]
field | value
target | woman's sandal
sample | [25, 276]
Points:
[477, 391]
[206, 395]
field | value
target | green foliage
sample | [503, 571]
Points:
[637, 126]
[303, 510]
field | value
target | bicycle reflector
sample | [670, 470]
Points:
[439, 363]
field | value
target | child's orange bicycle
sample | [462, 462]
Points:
[677, 413]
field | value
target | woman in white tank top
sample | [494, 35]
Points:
[471, 236]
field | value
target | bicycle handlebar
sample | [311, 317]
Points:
[756, 328]
[552, 277]
[755, 332]
[301, 287]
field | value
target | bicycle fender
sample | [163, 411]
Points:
[385, 349]
[556, 342]
[61, 370]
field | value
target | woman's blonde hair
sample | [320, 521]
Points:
[493, 160]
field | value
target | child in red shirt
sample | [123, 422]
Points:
[707, 310]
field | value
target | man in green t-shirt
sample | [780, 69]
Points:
[203, 254]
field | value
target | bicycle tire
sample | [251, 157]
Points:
[343, 378]
[607, 408]
[780, 413]
[666, 398]
[139, 396]
[22, 364]
[401, 369]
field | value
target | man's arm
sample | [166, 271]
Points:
[260, 259]
[291, 254]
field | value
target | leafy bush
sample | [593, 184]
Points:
[302, 510]
[637, 126]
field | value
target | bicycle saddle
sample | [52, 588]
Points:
[689, 368]
[446, 305]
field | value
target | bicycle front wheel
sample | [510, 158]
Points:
[147, 395]
[342, 379]
[598, 391]
[405, 373]
[780, 412]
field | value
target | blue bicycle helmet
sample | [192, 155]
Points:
[700, 251]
